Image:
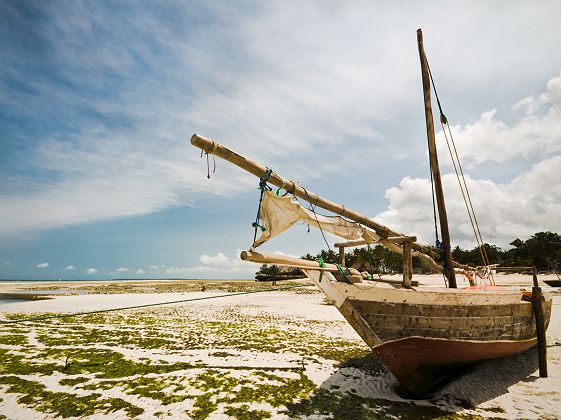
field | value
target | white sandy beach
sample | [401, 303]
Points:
[506, 388]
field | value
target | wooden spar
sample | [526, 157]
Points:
[448, 263]
[292, 187]
[278, 259]
[360, 242]
[215, 148]
[389, 243]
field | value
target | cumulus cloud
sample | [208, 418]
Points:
[217, 265]
[70, 268]
[537, 134]
[122, 270]
[140, 271]
[217, 260]
[43, 265]
[92, 270]
[505, 211]
[153, 267]
[518, 207]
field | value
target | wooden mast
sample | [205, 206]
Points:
[448, 263]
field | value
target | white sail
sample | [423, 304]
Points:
[279, 213]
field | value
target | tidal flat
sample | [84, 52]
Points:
[276, 354]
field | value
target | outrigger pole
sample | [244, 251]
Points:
[387, 236]
[448, 263]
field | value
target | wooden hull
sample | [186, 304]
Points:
[421, 364]
[425, 336]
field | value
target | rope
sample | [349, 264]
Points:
[467, 200]
[45, 317]
[322, 265]
[262, 186]
[207, 159]
[345, 272]
[462, 182]
[313, 210]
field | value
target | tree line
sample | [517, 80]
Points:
[543, 249]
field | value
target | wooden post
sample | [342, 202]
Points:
[537, 300]
[448, 263]
[407, 265]
[342, 255]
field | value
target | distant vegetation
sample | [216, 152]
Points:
[543, 249]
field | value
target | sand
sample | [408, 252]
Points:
[285, 354]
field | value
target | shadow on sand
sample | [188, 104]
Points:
[364, 389]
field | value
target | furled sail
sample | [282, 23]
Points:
[279, 213]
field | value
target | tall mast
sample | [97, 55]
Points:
[447, 263]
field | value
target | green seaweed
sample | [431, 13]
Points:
[13, 339]
[73, 381]
[35, 394]
[204, 406]
[243, 412]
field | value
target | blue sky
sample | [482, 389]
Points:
[98, 101]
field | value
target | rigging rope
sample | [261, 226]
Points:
[54, 316]
[208, 162]
[463, 185]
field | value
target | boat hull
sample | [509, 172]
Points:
[425, 336]
[420, 364]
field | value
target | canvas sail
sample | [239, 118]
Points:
[279, 213]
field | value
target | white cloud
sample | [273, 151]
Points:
[122, 270]
[43, 265]
[140, 271]
[217, 260]
[92, 270]
[70, 268]
[505, 211]
[153, 267]
[538, 133]
[527, 203]
[217, 265]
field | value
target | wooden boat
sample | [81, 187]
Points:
[422, 335]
